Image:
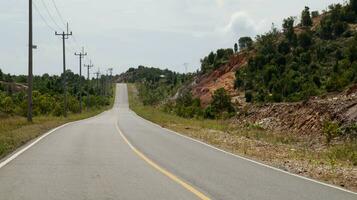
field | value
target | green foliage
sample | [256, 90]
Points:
[305, 39]
[155, 85]
[306, 17]
[221, 103]
[288, 30]
[47, 95]
[7, 105]
[245, 43]
[215, 60]
[346, 152]
[144, 74]
[293, 66]
[331, 130]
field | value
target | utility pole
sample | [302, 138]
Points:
[97, 75]
[30, 66]
[88, 95]
[110, 80]
[81, 56]
[64, 36]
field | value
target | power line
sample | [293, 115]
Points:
[50, 15]
[58, 12]
[42, 17]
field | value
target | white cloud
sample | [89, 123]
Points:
[241, 24]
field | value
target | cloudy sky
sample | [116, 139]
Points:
[123, 34]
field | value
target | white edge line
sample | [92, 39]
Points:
[21, 151]
[247, 159]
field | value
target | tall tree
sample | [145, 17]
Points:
[288, 29]
[235, 47]
[306, 17]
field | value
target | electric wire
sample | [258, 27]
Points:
[42, 17]
[50, 15]
[58, 12]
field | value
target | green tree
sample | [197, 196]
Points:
[221, 102]
[305, 39]
[245, 43]
[288, 29]
[306, 17]
[235, 48]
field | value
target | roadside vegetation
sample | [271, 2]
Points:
[335, 164]
[48, 107]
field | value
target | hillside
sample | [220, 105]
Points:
[311, 59]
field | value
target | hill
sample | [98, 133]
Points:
[316, 57]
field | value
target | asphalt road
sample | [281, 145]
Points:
[118, 155]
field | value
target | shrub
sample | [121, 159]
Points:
[209, 113]
[331, 130]
[7, 105]
[221, 102]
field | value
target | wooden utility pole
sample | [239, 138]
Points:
[64, 36]
[81, 56]
[88, 79]
[30, 66]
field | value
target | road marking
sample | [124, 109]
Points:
[243, 158]
[21, 151]
[162, 170]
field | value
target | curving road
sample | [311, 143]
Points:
[118, 155]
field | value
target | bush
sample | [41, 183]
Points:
[331, 130]
[73, 105]
[221, 102]
[58, 109]
[209, 113]
[7, 105]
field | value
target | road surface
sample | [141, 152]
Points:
[118, 155]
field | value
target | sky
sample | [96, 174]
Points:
[120, 34]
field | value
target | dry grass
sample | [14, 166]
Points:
[285, 151]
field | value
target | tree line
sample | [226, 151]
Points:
[48, 94]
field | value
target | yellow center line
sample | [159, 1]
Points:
[162, 170]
